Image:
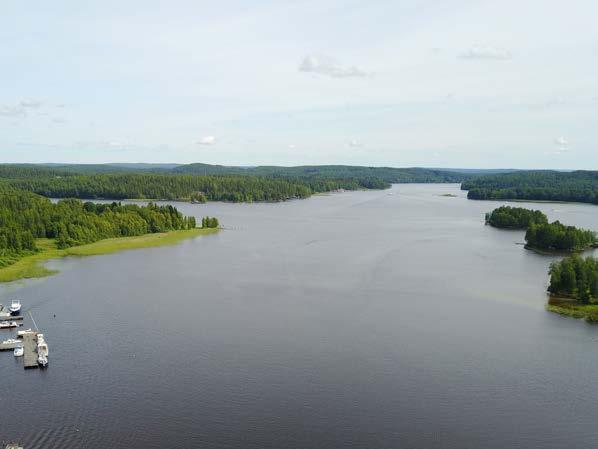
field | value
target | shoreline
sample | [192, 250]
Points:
[32, 266]
[570, 307]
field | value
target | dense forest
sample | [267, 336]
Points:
[514, 217]
[201, 182]
[557, 236]
[25, 217]
[576, 277]
[580, 186]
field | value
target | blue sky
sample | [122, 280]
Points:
[399, 83]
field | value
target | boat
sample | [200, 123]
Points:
[15, 307]
[42, 360]
[8, 324]
[25, 332]
[19, 351]
[11, 341]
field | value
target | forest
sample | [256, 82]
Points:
[559, 237]
[202, 182]
[25, 217]
[575, 277]
[515, 217]
[539, 185]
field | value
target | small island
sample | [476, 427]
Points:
[558, 237]
[540, 234]
[514, 217]
[574, 288]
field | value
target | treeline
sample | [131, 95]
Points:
[169, 187]
[557, 236]
[578, 186]
[202, 182]
[25, 217]
[209, 222]
[575, 277]
[515, 217]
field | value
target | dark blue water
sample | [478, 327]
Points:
[352, 320]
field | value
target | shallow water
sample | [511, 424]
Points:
[363, 319]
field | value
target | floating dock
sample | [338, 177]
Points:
[30, 350]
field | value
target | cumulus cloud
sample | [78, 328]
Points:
[562, 145]
[12, 111]
[292, 146]
[31, 104]
[19, 109]
[207, 140]
[355, 143]
[327, 66]
[481, 52]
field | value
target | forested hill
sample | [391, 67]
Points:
[544, 185]
[203, 182]
[387, 175]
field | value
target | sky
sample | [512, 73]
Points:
[452, 83]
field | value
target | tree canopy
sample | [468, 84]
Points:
[515, 217]
[543, 185]
[576, 277]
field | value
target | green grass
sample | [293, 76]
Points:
[32, 266]
[574, 309]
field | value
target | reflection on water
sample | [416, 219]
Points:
[357, 320]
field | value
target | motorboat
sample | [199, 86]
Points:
[15, 307]
[11, 341]
[19, 351]
[25, 332]
[8, 324]
[42, 360]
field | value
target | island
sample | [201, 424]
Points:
[514, 217]
[34, 229]
[540, 234]
[574, 288]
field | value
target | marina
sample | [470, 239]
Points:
[28, 344]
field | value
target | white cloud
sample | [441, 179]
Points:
[355, 143]
[207, 140]
[32, 104]
[12, 111]
[58, 120]
[325, 65]
[292, 146]
[562, 144]
[479, 51]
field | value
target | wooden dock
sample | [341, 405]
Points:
[30, 350]
[11, 317]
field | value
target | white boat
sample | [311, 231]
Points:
[11, 341]
[8, 324]
[42, 360]
[15, 307]
[25, 332]
[19, 351]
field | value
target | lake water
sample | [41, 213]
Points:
[371, 319]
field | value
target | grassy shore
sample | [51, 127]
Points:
[573, 308]
[32, 266]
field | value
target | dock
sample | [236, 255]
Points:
[30, 350]
[8, 346]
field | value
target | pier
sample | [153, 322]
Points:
[8, 346]
[30, 350]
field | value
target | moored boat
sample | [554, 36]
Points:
[15, 307]
[19, 351]
[24, 332]
[11, 341]
[42, 360]
[8, 324]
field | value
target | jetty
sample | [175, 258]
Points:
[30, 350]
